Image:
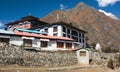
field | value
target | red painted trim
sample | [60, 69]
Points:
[40, 36]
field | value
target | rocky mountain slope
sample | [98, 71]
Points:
[101, 28]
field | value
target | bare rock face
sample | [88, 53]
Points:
[100, 27]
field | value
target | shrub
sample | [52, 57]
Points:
[93, 45]
[110, 64]
[109, 50]
[119, 59]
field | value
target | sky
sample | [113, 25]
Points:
[12, 10]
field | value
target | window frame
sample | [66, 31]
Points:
[44, 44]
[55, 29]
[83, 53]
[69, 45]
[60, 44]
[28, 42]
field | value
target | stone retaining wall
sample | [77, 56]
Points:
[16, 55]
[102, 58]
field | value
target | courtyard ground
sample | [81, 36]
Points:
[74, 68]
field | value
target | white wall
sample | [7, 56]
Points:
[50, 31]
[60, 32]
[36, 43]
[15, 40]
[83, 60]
[51, 45]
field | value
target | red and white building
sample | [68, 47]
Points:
[32, 33]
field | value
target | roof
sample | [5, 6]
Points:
[69, 25]
[33, 35]
[41, 36]
[60, 23]
[26, 18]
[6, 31]
[30, 31]
[84, 49]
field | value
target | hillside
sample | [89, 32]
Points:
[100, 27]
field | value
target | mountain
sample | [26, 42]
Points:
[101, 28]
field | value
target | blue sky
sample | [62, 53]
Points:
[11, 10]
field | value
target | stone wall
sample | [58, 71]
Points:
[101, 58]
[17, 55]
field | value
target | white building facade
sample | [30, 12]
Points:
[57, 36]
[63, 30]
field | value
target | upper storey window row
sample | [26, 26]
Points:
[55, 29]
[19, 25]
[64, 29]
[70, 31]
[74, 33]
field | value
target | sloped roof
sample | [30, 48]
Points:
[60, 23]
[41, 36]
[31, 31]
[6, 31]
[26, 18]
[33, 35]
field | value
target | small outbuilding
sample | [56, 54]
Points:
[83, 56]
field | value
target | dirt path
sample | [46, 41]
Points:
[15, 68]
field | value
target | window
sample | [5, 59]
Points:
[46, 30]
[55, 29]
[80, 40]
[83, 36]
[55, 34]
[74, 33]
[76, 45]
[83, 40]
[75, 38]
[27, 43]
[60, 45]
[26, 25]
[64, 29]
[69, 45]
[79, 34]
[26, 22]
[45, 34]
[34, 22]
[37, 30]
[82, 53]
[64, 35]
[68, 31]
[68, 36]
[44, 43]
[9, 26]
[20, 23]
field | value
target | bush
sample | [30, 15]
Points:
[119, 59]
[110, 64]
[92, 45]
[109, 50]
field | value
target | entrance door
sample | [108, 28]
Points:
[83, 56]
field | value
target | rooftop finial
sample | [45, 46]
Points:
[98, 47]
[30, 14]
[57, 17]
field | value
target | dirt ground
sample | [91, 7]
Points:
[15, 68]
